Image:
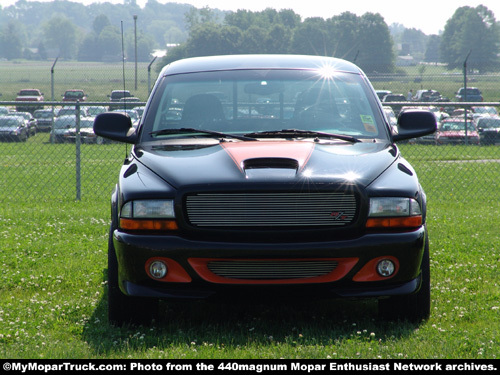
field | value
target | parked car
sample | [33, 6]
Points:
[140, 110]
[440, 117]
[87, 134]
[382, 93]
[489, 129]
[485, 111]
[29, 95]
[471, 94]
[4, 110]
[71, 111]
[44, 118]
[93, 111]
[319, 203]
[391, 116]
[61, 125]
[31, 122]
[120, 98]
[13, 128]
[119, 94]
[134, 115]
[74, 95]
[452, 131]
[427, 96]
[392, 98]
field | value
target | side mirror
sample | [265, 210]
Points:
[116, 126]
[415, 123]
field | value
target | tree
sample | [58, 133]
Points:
[109, 44]
[432, 50]
[310, 37]
[252, 39]
[144, 46]
[100, 22]
[211, 39]
[88, 50]
[10, 41]
[196, 17]
[471, 30]
[60, 34]
[278, 39]
[344, 28]
[375, 44]
[414, 42]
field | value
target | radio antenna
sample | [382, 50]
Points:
[123, 68]
[123, 78]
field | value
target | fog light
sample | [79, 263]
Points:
[385, 267]
[158, 269]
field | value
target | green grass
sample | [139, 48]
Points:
[53, 280]
[96, 79]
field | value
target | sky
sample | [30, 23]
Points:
[429, 16]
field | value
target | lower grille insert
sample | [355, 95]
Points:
[271, 269]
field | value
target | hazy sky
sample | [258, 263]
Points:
[430, 16]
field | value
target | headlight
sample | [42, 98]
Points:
[394, 212]
[148, 215]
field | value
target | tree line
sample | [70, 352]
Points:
[94, 33]
[366, 40]
[70, 30]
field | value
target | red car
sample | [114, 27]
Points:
[452, 131]
[28, 99]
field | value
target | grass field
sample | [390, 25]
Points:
[96, 79]
[54, 263]
[53, 281]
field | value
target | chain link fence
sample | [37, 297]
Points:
[57, 156]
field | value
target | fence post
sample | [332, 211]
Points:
[77, 150]
[52, 95]
[465, 97]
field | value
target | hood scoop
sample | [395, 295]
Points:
[270, 168]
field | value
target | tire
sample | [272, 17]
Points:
[414, 307]
[123, 309]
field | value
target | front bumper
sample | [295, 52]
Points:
[355, 275]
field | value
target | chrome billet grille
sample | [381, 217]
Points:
[272, 269]
[271, 209]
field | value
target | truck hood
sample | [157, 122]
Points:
[9, 129]
[183, 165]
[29, 99]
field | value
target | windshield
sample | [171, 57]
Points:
[29, 93]
[489, 123]
[6, 122]
[94, 111]
[73, 94]
[65, 122]
[251, 101]
[456, 126]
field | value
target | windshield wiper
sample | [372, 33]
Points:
[202, 131]
[301, 133]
